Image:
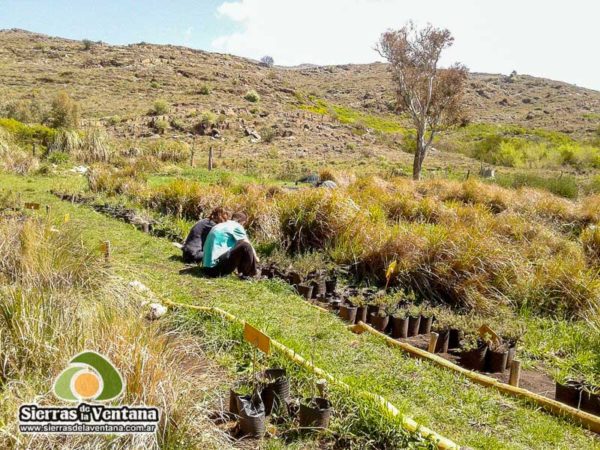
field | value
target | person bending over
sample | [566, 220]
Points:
[227, 249]
[194, 243]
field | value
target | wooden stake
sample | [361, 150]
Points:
[146, 227]
[515, 373]
[106, 245]
[192, 162]
[433, 338]
[47, 210]
[210, 158]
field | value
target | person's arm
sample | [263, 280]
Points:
[240, 235]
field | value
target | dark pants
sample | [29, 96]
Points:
[192, 257]
[240, 258]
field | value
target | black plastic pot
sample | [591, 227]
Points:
[425, 324]
[496, 361]
[474, 359]
[590, 401]
[335, 303]
[319, 288]
[348, 313]
[233, 408]
[294, 278]
[399, 327]
[315, 413]
[371, 311]
[413, 326]
[512, 350]
[455, 335]
[305, 291]
[276, 391]
[441, 346]
[361, 314]
[380, 323]
[251, 412]
[568, 393]
[330, 285]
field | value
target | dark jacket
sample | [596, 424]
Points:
[194, 243]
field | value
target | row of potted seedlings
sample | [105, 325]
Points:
[579, 394]
[404, 320]
[251, 403]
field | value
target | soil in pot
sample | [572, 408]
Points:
[455, 335]
[380, 322]
[414, 323]
[512, 350]
[474, 359]
[330, 285]
[318, 288]
[425, 324]
[348, 313]
[251, 412]
[399, 327]
[305, 291]
[276, 390]
[568, 392]
[590, 400]
[315, 413]
[441, 346]
[361, 314]
[496, 360]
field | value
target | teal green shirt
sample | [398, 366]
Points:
[221, 238]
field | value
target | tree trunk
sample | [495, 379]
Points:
[419, 156]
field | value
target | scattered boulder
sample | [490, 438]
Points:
[156, 311]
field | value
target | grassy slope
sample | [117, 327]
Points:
[448, 403]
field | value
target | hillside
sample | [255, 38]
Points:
[119, 85]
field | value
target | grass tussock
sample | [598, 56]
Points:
[468, 244]
[57, 299]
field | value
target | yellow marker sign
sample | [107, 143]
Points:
[257, 338]
[32, 206]
[67, 217]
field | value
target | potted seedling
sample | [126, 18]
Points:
[456, 326]
[442, 325]
[511, 336]
[348, 312]
[275, 389]
[380, 320]
[305, 290]
[315, 411]
[331, 283]
[414, 320]
[568, 389]
[496, 357]
[426, 320]
[399, 321]
[376, 305]
[590, 398]
[473, 352]
[361, 307]
[239, 389]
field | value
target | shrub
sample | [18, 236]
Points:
[114, 120]
[267, 134]
[252, 96]
[161, 126]
[170, 150]
[160, 107]
[87, 44]
[64, 112]
[66, 141]
[23, 110]
[204, 89]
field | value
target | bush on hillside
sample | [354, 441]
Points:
[252, 96]
[160, 107]
[64, 112]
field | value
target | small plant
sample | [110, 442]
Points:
[471, 341]
[252, 96]
[160, 107]
[204, 90]
[58, 158]
[64, 111]
[267, 134]
[161, 126]
[114, 120]
[358, 300]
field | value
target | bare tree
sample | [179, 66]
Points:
[267, 61]
[432, 97]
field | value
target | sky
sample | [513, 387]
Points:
[553, 39]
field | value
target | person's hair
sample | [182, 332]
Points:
[219, 215]
[239, 217]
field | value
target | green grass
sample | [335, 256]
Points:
[382, 124]
[565, 186]
[446, 402]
